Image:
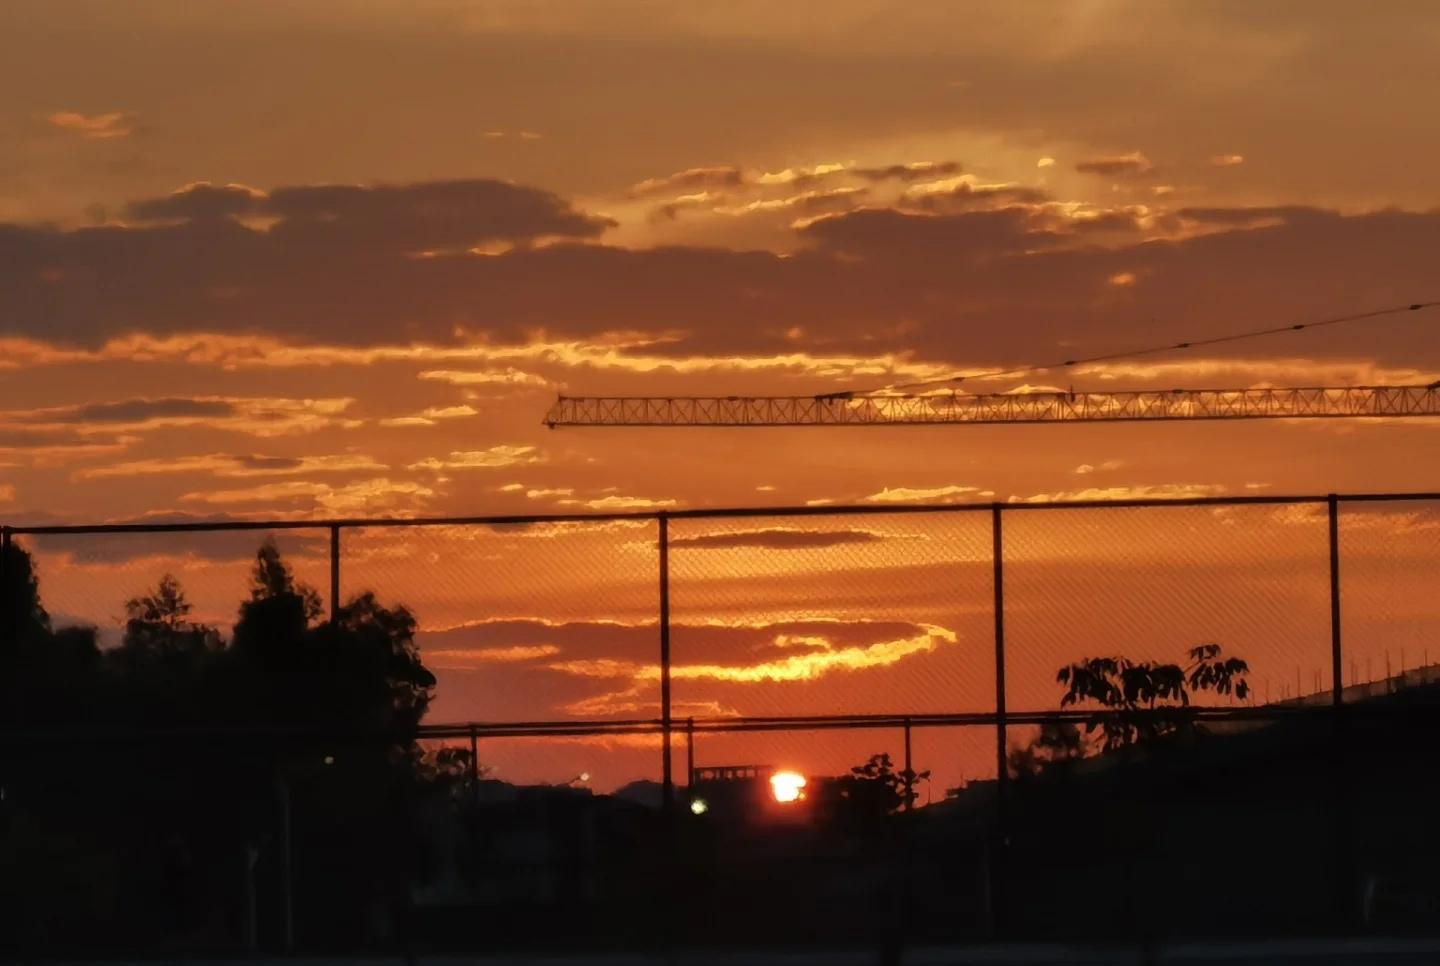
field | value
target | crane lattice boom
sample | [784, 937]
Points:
[843, 409]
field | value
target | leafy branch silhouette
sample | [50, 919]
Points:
[1133, 695]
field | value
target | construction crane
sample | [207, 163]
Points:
[913, 409]
[919, 404]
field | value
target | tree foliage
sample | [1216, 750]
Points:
[158, 626]
[1057, 744]
[876, 788]
[279, 611]
[1130, 693]
[328, 711]
[20, 594]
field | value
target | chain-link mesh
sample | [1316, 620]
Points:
[86, 580]
[530, 623]
[1388, 603]
[1151, 583]
[814, 644]
[832, 614]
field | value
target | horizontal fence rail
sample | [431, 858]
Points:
[703, 513]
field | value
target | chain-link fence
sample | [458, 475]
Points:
[878, 724]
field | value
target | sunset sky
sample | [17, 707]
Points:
[336, 259]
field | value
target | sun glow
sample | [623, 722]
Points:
[787, 786]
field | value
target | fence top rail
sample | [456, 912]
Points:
[582, 727]
[698, 513]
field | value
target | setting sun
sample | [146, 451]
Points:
[787, 786]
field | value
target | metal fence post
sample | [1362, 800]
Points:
[474, 767]
[667, 778]
[9, 634]
[1335, 644]
[998, 852]
[1345, 873]
[690, 754]
[334, 574]
[909, 771]
[8, 621]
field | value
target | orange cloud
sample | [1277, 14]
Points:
[909, 494]
[614, 351]
[1245, 372]
[820, 659]
[537, 492]
[1117, 165]
[722, 176]
[778, 538]
[801, 174]
[506, 377]
[1146, 491]
[230, 465]
[431, 416]
[492, 458]
[255, 416]
[94, 127]
[366, 495]
[460, 658]
[1085, 469]
[616, 502]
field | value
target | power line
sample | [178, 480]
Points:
[1133, 353]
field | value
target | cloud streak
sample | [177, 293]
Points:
[1133, 164]
[231, 465]
[94, 127]
[497, 456]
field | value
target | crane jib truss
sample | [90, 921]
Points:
[841, 409]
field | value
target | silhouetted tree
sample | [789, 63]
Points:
[20, 603]
[317, 720]
[1057, 743]
[1133, 690]
[371, 650]
[158, 626]
[44, 674]
[875, 788]
[280, 610]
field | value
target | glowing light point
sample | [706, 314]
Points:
[698, 806]
[787, 786]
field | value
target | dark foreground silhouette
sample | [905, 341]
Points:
[185, 794]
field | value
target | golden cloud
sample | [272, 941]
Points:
[617, 502]
[1260, 373]
[1134, 163]
[461, 658]
[612, 351]
[820, 658]
[94, 127]
[350, 498]
[1144, 491]
[255, 416]
[230, 465]
[1084, 469]
[506, 377]
[492, 458]
[536, 492]
[431, 416]
[801, 174]
[909, 494]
